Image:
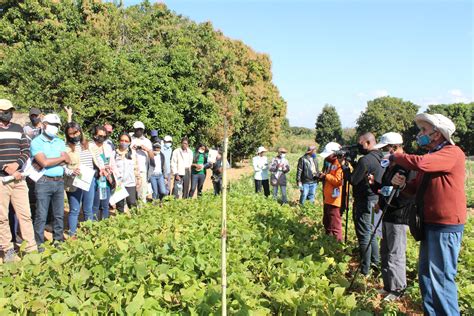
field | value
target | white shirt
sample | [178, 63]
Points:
[157, 170]
[180, 161]
[260, 166]
[142, 156]
[127, 170]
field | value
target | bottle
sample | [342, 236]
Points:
[102, 188]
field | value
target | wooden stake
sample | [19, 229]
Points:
[224, 224]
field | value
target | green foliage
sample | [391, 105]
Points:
[115, 64]
[462, 114]
[328, 126]
[389, 114]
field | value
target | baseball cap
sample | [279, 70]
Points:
[391, 138]
[168, 139]
[261, 149]
[52, 118]
[35, 111]
[5, 105]
[157, 145]
[138, 125]
[442, 124]
[153, 133]
[329, 149]
[310, 148]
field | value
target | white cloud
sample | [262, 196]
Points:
[380, 93]
[455, 92]
[361, 95]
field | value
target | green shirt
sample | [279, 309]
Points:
[200, 161]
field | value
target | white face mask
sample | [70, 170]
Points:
[167, 145]
[201, 151]
[282, 156]
[51, 130]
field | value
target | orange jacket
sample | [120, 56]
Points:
[333, 180]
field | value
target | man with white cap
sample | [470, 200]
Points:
[260, 168]
[167, 150]
[444, 210]
[307, 175]
[144, 150]
[49, 151]
[332, 190]
[13, 189]
[394, 225]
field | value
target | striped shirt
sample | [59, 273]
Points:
[85, 156]
[14, 146]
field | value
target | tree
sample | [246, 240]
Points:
[328, 126]
[389, 114]
[462, 114]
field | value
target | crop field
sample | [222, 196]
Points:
[167, 261]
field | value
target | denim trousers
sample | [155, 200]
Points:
[437, 270]
[284, 198]
[77, 199]
[364, 228]
[197, 182]
[49, 192]
[158, 185]
[100, 205]
[308, 193]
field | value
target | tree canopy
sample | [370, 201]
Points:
[328, 126]
[144, 62]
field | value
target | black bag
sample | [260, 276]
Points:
[414, 211]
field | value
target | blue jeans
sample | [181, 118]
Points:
[76, 198]
[437, 269]
[309, 190]
[49, 192]
[197, 181]
[364, 229]
[284, 198]
[100, 205]
[158, 185]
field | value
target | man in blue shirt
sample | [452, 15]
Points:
[49, 152]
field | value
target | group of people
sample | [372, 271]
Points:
[434, 181]
[38, 170]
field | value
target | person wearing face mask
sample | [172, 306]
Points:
[260, 168]
[365, 199]
[441, 172]
[49, 152]
[198, 170]
[157, 171]
[279, 167]
[109, 141]
[217, 171]
[307, 175]
[127, 166]
[33, 128]
[394, 226]
[144, 151]
[332, 188]
[106, 174]
[167, 151]
[13, 189]
[181, 161]
[80, 156]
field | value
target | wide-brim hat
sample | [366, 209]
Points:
[310, 149]
[441, 123]
[261, 149]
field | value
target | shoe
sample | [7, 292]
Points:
[11, 256]
[383, 291]
[392, 297]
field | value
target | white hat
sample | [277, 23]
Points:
[52, 118]
[441, 123]
[5, 104]
[261, 149]
[138, 125]
[391, 138]
[168, 138]
[330, 148]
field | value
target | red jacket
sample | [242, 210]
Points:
[445, 198]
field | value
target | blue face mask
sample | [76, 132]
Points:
[313, 155]
[424, 140]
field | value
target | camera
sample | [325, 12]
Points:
[348, 152]
[139, 147]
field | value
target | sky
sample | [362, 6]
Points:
[345, 53]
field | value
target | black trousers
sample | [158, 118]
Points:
[266, 187]
[131, 199]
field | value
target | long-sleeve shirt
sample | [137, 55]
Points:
[332, 189]
[14, 146]
[180, 161]
[260, 167]
[369, 164]
[445, 198]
